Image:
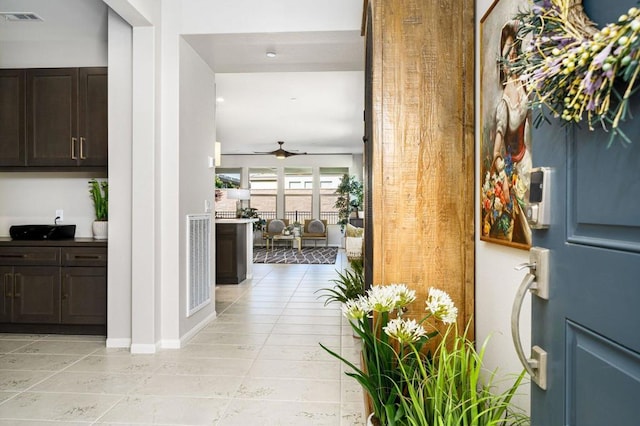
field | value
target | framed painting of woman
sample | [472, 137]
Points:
[505, 138]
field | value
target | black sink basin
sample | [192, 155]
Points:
[42, 232]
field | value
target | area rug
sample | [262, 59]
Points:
[309, 255]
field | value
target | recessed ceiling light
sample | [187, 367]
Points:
[294, 99]
[219, 99]
[271, 54]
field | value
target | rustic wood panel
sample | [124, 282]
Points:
[422, 169]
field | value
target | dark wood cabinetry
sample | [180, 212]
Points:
[12, 117]
[53, 289]
[231, 253]
[56, 119]
[84, 286]
[67, 117]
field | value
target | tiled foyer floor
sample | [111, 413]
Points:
[258, 363]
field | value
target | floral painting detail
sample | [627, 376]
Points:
[579, 72]
[505, 149]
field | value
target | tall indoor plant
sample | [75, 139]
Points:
[349, 199]
[99, 192]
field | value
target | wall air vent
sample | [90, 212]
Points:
[21, 17]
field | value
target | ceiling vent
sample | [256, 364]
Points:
[21, 17]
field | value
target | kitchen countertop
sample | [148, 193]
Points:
[231, 221]
[85, 242]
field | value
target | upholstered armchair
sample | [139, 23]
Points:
[274, 227]
[316, 230]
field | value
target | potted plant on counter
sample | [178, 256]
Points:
[99, 192]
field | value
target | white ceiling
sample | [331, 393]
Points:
[311, 95]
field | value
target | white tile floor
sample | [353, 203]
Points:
[259, 362]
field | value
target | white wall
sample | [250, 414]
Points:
[120, 170]
[197, 180]
[496, 279]
[33, 198]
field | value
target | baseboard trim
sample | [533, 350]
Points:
[143, 348]
[118, 343]
[202, 324]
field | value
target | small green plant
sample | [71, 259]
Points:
[408, 385]
[99, 192]
[447, 388]
[349, 286]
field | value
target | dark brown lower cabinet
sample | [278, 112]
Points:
[66, 292]
[31, 294]
[84, 296]
[231, 253]
[36, 294]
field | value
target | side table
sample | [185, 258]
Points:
[287, 238]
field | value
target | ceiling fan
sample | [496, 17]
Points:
[281, 153]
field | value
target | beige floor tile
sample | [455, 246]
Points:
[352, 414]
[301, 340]
[193, 350]
[237, 327]
[140, 409]
[38, 362]
[57, 406]
[312, 329]
[60, 347]
[206, 367]
[296, 353]
[19, 336]
[249, 310]
[102, 383]
[188, 386]
[327, 370]
[20, 380]
[15, 422]
[251, 319]
[271, 413]
[308, 319]
[7, 346]
[277, 389]
[4, 395]
[133, 364]
[229, 339]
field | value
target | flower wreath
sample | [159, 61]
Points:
[575, 69]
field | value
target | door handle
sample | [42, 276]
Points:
[73, 148]
[8, 285]
[82, 141]
[17, 285]
[535, 281]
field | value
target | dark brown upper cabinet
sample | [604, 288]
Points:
[12, 119]
[56, 118]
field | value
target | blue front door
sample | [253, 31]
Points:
[590, 326]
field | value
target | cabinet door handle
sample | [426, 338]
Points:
[13, 256]
[82, 140]
[8, 286]
[73, 148]
[86, 256]
[17, 285]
